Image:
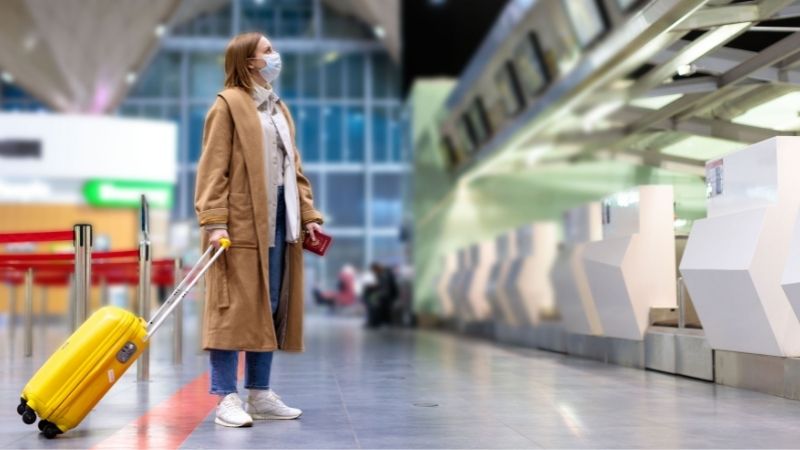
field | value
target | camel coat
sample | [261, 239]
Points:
[231, 189]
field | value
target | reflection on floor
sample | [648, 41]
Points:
[411, 389]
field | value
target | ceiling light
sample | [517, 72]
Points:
[331, 57]
[380, 33]
[160, 30]
[7, 77]
[686, 70]
[130, 78]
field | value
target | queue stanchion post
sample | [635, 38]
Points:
[145, 280]
[29, 312]
[12, 309]
[83, 273]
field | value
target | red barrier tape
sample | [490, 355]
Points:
[37, 236]
[62, 279]
[119, 254]
[68, 266]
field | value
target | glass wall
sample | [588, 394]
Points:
[344, 92]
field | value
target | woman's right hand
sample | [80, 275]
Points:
[216, 235]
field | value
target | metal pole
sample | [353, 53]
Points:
[681, 305]
[145, 265]
[29, 312]
[177, 329]
[83, 272]
[12, 310]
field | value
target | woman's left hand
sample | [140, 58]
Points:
[311, 229]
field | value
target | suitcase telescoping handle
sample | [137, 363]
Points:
[185, 286]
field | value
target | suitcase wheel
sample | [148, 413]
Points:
[29, 416]
[23, 405]
[50, 430]
[42, 424]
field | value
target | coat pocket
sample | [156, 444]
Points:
[218, 281]
[241, 226]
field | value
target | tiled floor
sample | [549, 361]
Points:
[407, 389]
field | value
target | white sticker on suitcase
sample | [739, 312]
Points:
[111, 376]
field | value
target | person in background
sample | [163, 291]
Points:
[380, 296]
[251, 189]
[345, 293]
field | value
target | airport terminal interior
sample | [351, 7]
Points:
[553, 223]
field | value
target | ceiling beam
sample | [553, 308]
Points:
[739, 13]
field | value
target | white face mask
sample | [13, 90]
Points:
[272, 68]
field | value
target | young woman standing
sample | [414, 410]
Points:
[251, 188]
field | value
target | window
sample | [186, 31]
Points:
[587, 19]
[479, 121]
[467, 130]
[464, 136]
[310, 68]
[385, 76]
[453, 158]
[308, 124]
[354, 76]
[161, 79]
[197, 118]
[380, 135]
[332, 136]
[344, 199]
[212, 23]
[507, 84]
[206, 75]
[387, 200]
[294, 19]
[334, 79]
[529, 61]
[288, 83]
[356, 136]
[388, 250]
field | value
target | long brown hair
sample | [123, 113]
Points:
[239, 50]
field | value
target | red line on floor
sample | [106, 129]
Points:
[170, 423]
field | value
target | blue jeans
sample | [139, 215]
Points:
[224, 363]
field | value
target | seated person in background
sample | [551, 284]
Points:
[345, 293]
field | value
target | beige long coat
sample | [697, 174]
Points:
[231, 189]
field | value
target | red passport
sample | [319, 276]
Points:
[318, 246]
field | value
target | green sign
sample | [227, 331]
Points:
[127, 193]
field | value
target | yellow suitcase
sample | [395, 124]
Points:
[68, 386]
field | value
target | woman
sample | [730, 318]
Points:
[251, 189]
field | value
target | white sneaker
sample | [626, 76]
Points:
[231, 414]
[265, 404]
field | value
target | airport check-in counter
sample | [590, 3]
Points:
[459, 282]
[478, 308]
[498, 300]
[527, 287]
[632, 269]
[735, 258]
[573, 297]
[446, 307]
